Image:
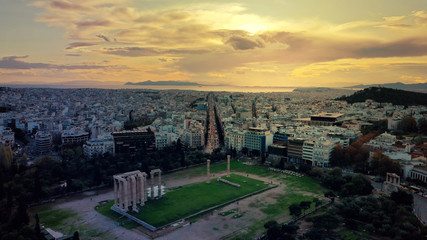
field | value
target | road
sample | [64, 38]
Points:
[212, 130]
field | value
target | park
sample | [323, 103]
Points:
[202, 209]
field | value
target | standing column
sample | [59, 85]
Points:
[126, 197]
[144, 187]
[116, 202]
[208, 170]
[134, 184]
[122, 194]
[152, 185]
[160, 185]
[228, 165]
[141, 189]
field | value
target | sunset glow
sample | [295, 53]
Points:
[248, 43]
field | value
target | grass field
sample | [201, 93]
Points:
[66, 221]
[190, 199]
[234, 166]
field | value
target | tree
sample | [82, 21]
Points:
[295, 210]
[402, 198]
[305, 205]
[245, 150]
[317, 202]
[359, 185]
[337, 156]
[76, 236]
[37, 225]
[273, 230]
[316, 172]
[6, 157]
[330, 195]
[326, 221]
[408, 124]
[422, 126]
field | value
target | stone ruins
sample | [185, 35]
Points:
[130, 189]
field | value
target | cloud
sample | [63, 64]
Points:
[93, 23]
[12, 62]
[396, 25]
[400, 48]
[241, 43]
[73, 55]
[420, 17]
[103, 37]
[141, 52]
[65, 5]
[394, 18]
[75, 45]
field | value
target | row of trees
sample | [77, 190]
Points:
[357, 156]
[16, 190]
[389, 217]
[409, 125]
[357, 184]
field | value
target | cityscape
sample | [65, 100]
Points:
[213, 120]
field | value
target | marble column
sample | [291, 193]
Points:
[116, 202]
[152, 185]
[228, 165]
[208, 170]
[126, 195]
[122, 195]
[134, 183]
[160, 185]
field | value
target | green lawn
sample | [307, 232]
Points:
[105, 210]
[55, 218]
[65, 221]
[234, 166]
[190, 199]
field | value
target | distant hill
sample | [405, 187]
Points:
[394, 96]
[314, 89]
[164, 83]
[396, 85]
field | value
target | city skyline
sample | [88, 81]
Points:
[245, 43]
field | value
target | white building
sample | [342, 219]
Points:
[234, 140]
[258, 139]
[322, 152]
[99, 146]
[193, 137]
[162, 140]
[318, 152]
[43, 142]
[74, 135]
[307, 151]
[419, 173]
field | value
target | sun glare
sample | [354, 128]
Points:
[252, 28]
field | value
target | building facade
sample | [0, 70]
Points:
[43, 142]
[99, 146]
[130, 141]
[258, 139]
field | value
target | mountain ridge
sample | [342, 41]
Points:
[383, 95]
[164, 83]
[396, 85]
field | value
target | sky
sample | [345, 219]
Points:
[288, 43]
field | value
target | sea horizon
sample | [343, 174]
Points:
[204, 88]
